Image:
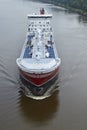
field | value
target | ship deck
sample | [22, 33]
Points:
[28, 53]
[39, 53]
[39, 46]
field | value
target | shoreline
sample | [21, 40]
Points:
[79, 11]
[76, 10]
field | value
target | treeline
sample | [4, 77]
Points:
[79, 6]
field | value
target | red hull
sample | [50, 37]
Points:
[39, 79]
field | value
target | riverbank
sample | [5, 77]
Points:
[76, 10]
[67, 6]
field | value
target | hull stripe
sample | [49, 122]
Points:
[38, 79]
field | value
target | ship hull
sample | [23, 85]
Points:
[38, 79]
[42, 90]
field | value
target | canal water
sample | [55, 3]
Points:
[66, 109]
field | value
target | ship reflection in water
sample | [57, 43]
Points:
[39, 111]
[41, 92]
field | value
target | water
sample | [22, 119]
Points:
[66, 109]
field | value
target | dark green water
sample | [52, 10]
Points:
[65, 109]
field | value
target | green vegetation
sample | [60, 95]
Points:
[79, 6]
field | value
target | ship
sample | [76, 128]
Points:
[39, 62]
